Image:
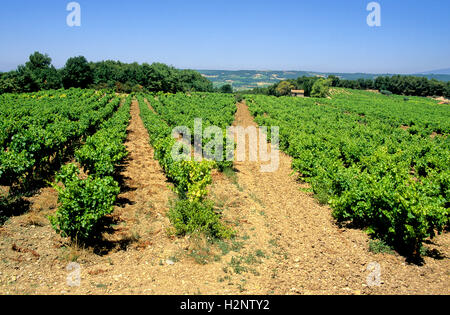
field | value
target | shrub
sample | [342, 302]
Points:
[190, 217]
[191, 178]
[321, 88]
[379, 247]
[84, 202]
[284, 88]
[386, 92]
[137, 88]
[391, 205]
[192, 214]
[104, 151]
[227, 88]
[101, 164]
[239, 98]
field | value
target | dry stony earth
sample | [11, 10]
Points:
[286, 242]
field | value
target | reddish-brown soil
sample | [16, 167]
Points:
[286, 242]
[312, 254]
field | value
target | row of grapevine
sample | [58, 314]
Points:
[182, 110]
[191, 179]
[421, 115]
[20, 111]
[33, 142]
[393, 182]
[86, 200]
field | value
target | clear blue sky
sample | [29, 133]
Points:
[320, 35]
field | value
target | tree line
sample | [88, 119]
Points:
[38, 73]
[397, 84]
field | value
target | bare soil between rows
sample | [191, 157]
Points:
[286, 242]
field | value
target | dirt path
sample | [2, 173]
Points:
[312, 255]
[286, 243]
[139, 255]
[146, 191]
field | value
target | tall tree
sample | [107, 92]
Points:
[26, 79]
[38, 61]
[227, 88]
[321, 88]
[38, 74]
[9, 82]
[284, 88]
[447, 90]
[334, 80]
[77, 73]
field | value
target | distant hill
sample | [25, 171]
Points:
[440, 71]
[249, 79]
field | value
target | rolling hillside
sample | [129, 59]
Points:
[249, 79]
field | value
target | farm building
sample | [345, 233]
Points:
[298, 93]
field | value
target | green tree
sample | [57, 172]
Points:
[104, 73]
[190, 80]
[38, 74]
[334, 80]
[51, 79]
[161, 77]
[77, 73]
[26, 79]
[227, 88]
[284, 88]
[38, 61]
[447, 90]
[9, 82]
[321, 88]
[306, 83]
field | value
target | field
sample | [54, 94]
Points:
[381, 163]
[89, 177]
[249, 79]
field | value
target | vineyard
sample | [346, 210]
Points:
[380, 163]
[45, 125]
[39, 133]
[191, 178]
